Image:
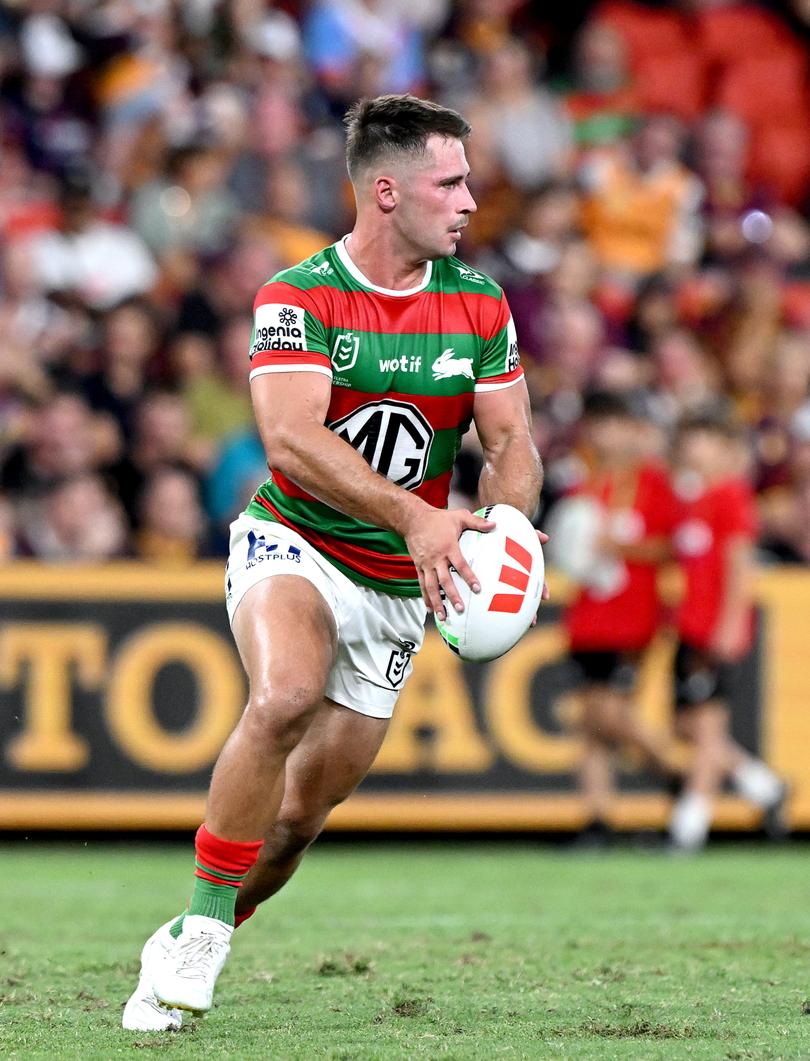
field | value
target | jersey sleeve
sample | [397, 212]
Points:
[287, 334]
[500, 360]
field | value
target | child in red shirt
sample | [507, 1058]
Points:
[616, 612]
[713, 539]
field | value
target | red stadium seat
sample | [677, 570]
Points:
[647, 32]
[741, 32]
[758, 89]
[780, 160]
[673, 83]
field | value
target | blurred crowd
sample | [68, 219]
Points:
[643, 179]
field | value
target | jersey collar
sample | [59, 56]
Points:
[346, 261]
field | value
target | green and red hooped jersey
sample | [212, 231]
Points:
[404, 367]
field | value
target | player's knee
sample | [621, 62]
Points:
[282, 712]
[295, 831]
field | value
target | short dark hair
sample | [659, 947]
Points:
[603, 405]
[393, 125]
[712, 421]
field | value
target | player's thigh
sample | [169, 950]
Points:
[333, 757]
[286, 636]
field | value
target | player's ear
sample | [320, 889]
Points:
[386, 193]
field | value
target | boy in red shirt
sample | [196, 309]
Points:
[616, 613]
[714, 540]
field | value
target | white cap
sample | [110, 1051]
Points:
[276, 37]
[48, 49]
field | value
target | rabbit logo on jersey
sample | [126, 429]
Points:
[279, 327]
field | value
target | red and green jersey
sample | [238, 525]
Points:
[404, 367]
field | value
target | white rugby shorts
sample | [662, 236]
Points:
[377, 634]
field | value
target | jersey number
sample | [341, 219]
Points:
[392, 436]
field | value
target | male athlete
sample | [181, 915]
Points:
[368, 362]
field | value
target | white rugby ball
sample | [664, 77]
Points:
[508, 561]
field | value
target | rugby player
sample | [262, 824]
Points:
[610, 624]
[368, 362]
[714, 538]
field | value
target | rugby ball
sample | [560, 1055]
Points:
[574, 527]
[508, 561]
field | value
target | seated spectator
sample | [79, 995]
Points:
[129, 352]
[88, 258]
[783, 402]
[49, 109]
[737, 215]
[171, 521]
[285, 220]
[600, 100]
[640, 205]
[686, 379]
[62, 440]
[338, 34]
[519, 122]
[162, 438]
[232, 482]
[190, 208]
[535, 244]
[78, 519]
[213, 382]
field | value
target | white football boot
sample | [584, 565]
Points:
[187, 980]
[143, 1012]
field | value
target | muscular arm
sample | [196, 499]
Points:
[512, 473]
[291, 409]
[290, 412]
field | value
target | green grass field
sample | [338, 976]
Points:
[454, 951]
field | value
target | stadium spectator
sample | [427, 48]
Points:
[715, 528]
[128, 356]
[600, 100]
[188, 209]
[78, 519]
[641, 204]
[736, 214]
[87, 258]
[614, 533]
[63, 439]
[518, 121]
[171, 521]
[348, 42]
[213, 383]
[162, 438]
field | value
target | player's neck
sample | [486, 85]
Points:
[382, 262]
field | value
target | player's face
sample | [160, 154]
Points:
[435, 203]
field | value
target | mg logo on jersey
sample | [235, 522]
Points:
[344, 351]
[392, 436]
[447, 364]
[516, 577]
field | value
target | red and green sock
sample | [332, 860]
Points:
[222, 865]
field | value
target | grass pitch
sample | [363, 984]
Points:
[424, 951]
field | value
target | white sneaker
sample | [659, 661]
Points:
[143, 1012]
[187, 980]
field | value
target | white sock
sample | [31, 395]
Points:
[757, 783]
[689, 824]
